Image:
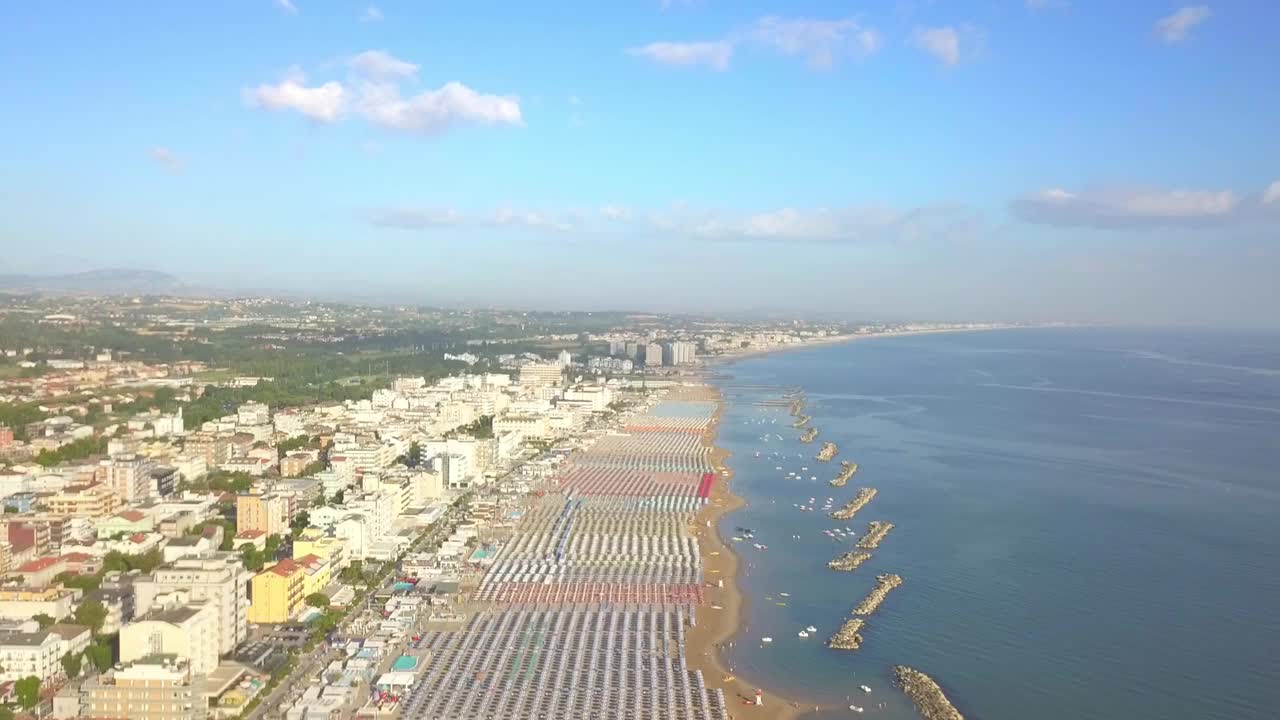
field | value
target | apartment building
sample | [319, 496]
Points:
[218, 579]
[278, 592]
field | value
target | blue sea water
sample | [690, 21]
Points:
[1087, 522]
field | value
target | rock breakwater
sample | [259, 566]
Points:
[925, 694]
[828, 451]
[884, 584]
[847, 469]
[876, 532]
[852, 507]
[848, 637]
[849, 561]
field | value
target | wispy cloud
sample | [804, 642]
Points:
[165, 158]
[944, 43]
[371, 14]
[381, 65]
[1176, 27]
[374, 92]
[712, 54]
[868, 224]
[287, 6]
[1138, 207]
[820, 42]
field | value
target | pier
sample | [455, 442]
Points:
[827, 452]
[930, 701]
[848, 637]
[852, 507]
[849, 561]
[884, 584]
[876, 532]
[847, 469]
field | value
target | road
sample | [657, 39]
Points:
[295, 683]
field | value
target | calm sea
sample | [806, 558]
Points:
[1088, 522]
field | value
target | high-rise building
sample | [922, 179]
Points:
[633, 351]
[680, 353]
[218, 579]
[189, 632]
[536, 374]
[617, 348]
[653, 355]
[159, 688]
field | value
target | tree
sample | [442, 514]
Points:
[302, 520]
[252, 557]
[318, 600]
[93, 614]
[414, 457]
[5, 713]
[100, 654]
[71, 664]
[44, 620]
[27, 691]
[339, 497]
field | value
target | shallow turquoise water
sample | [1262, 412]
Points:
[1088, 522]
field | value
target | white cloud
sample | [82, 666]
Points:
[1271, 196]
[820, 42]
[165, 157]
[373, 92]
[323, 103]
[371, 14]
[434, 111]
[714, 54]
[287, 6]
[1119, 208]
[616, 212]
[941, 42]
[381, 65]
[1176, 27]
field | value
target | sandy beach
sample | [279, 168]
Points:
[715, 628]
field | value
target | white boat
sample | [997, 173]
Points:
[855, 708]
[865, 688]
[802, 634]
[766, 639]
[812, 629]
[785, 594]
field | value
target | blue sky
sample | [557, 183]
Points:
[999, 159]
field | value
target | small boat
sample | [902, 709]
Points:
[865, 688]
[812, 629]
[855, 708]
[766, 639]
[802, 634]
[784, 594]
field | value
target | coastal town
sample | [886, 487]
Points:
[522, 529]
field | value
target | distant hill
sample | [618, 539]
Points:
[110, 281]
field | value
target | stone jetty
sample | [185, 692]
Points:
[809, 435]
[797, 406]
[847, 469]
[801, 421]
[884, 584]
[930, 701]
[876, 532]
[852, 507]
[849, 561]
[828, 451]
[848, 637]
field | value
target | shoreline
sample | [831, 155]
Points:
[715, 361]
[715, 628]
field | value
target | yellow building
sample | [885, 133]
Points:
[268, 513]
[313, 541]
[319, 573]
[91, 501]
[277, 593]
